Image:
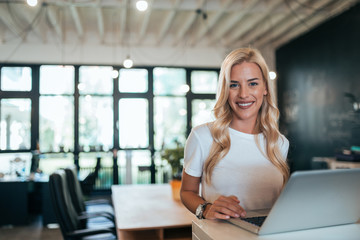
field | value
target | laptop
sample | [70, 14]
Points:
[310, 199]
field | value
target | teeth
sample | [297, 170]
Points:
[244, 104]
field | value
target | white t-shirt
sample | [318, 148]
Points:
[244, 172]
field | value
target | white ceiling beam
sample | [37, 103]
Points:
[278, 20]
[313, 20]
[100, 22]
[146, 20]
[235, 18]
[253, 22]
[168, 21]
[54, 20]
[189, 22]
[77, 21]
[123, 21]
[9, 22]
[33, 21]
[211, 22]
[288, 22]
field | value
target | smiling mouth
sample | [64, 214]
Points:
[245, 105]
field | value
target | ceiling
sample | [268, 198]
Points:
[171, 23]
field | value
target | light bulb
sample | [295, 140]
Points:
[128, 63]
[184, 88]
[272, 75]
[141, 5]
[114, 73]
[32, 3]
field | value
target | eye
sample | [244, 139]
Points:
[252, 84]
[234, 85]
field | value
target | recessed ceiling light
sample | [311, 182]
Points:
[32, 3]
[141, 5]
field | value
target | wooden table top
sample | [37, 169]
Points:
[150, 206]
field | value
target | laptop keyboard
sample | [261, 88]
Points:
[258, 221]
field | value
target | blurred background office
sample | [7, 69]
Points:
[67, 96]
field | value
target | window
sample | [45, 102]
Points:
[170, 111]
[56, 110]
[74, 109]
[170, 121]
[15, 79]
[95, 80]
[134, 122]
[15, 124]
[133, 80]
[56, 124]
[56, 79]
[204, 81]
[202, 111]
[170, 81]
[135, 166]
[96, 122]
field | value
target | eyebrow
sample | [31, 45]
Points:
[249, 80]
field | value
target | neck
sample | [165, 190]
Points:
[245, 126]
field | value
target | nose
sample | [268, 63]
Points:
[243, 92]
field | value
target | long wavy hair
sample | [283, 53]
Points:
[266, 122]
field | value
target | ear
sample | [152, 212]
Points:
[265, 92]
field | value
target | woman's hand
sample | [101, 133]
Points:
[224, 208]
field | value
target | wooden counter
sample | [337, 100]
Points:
[149, 212]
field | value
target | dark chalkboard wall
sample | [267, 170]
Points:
[318, 79]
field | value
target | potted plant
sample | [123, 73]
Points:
[174, 156]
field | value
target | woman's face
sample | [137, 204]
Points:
[247, 90]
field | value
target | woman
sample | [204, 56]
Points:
[239, 160]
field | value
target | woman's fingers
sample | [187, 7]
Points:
[231, 203]
[225, 207]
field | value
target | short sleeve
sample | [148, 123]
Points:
[284, 146]
[193, 156]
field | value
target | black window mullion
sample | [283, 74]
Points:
[35, 112]
[116, 147]
[188, 103]
[76, 118]
[151, 124]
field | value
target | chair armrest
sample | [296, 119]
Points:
[89, 232]
[86, 215]
[98, 201]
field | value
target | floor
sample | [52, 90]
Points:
[33, 231]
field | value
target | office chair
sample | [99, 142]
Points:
[80, 204]
[101, 207]
[70, 222]
[89, 181]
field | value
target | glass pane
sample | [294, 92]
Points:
[202, 111]
[170, 81]
[204, 81]
[170, 121]
[133, 80]
[15, 162]
[95, 79]
[134, 122]
[16, 79]
[51, 162]
[56, 79]
[134, 166]
[56, 124]
[96, 123]
[15, 124]
[88, 162]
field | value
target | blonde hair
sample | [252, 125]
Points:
[266, 121]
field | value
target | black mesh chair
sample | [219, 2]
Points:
[70, 222]
[80, 204]
[88, 183]
[92, 208]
